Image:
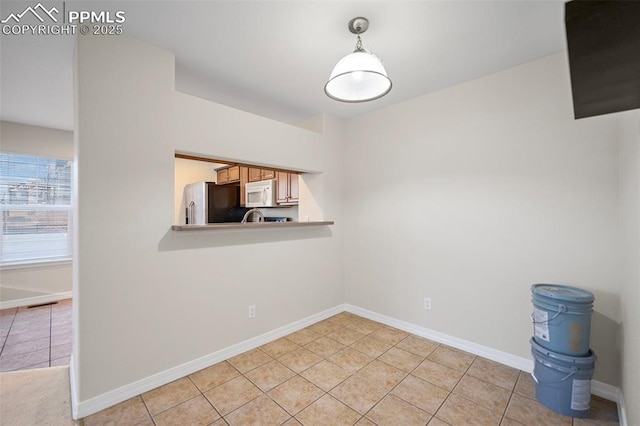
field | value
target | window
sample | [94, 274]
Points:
[35, 199]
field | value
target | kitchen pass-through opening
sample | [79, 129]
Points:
[210, 190]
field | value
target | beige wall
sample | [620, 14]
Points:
[33, 140]
[24, 282]
[630, 254]
[40, 280]
[472, 194]
[150, 299]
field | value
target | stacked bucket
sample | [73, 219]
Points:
[563, 361]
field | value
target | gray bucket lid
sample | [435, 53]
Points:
[562, 292]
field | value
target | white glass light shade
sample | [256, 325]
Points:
[358, 77]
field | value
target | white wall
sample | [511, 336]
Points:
[472, 194]
[43, 279]
[150, 299]
[630, 243]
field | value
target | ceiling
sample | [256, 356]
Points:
[273, 58]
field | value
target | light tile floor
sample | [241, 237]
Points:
[35, 337]
[349, 370]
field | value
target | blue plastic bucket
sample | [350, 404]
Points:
[563, 383]
[562, 318]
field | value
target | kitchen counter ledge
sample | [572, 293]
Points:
[249, 225]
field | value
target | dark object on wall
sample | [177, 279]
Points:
[603, 40]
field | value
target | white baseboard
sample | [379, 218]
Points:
[74, 388]
[611, 393]
[622, 408]
[36, 300]
[90, 406]
[605, 391]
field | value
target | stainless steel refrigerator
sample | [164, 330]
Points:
[206, 202]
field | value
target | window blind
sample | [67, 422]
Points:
[35, 200]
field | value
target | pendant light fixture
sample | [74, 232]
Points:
[359, 76]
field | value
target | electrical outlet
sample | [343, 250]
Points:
[252, 311]
[427, 303]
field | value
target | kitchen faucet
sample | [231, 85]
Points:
[256, 211]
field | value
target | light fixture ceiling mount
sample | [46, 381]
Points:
[359, 76]
[358, 25]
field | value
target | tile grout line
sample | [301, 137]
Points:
[202, 394]
[397, 384]
[513, 391]
[327, 359]
[265, 393]
[457, 382]
[293, 416]
[39, 314]
[147, 408]
[389, 392]
[50, 332]
[448, 391]
[13, 319]
[297, 374]
[364, 335]
[414, 369]
[240, 374]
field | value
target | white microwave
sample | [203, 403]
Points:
[260, 194]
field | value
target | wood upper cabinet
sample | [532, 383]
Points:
[268, 174]
[229, 174]
[288, 188]
[283, 187]
[222, 176]
[256, 174]
[244, 178]
[294, 187]
[234, 174]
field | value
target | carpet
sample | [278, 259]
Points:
[36, 397]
